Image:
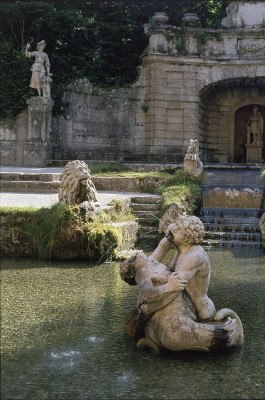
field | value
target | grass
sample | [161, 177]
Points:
[59, 232]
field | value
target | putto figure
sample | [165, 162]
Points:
[41, 77]
[174, 311]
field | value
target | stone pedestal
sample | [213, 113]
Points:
[254, 153]
[193, 167]
[39, 127]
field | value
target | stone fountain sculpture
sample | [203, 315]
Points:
[192, 164]
[174, 311]
[77, 188]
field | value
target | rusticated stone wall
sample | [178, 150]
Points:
[192, 84]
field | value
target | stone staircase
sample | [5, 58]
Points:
[30, 182]
[232, 204]
[146, 209]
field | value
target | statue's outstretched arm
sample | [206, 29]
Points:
[163, 247]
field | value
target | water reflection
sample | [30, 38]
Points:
[63, 335]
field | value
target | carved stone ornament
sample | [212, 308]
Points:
[174, 311]
[192, 164]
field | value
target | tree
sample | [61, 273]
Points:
[95, 39]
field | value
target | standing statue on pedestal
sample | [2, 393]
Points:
[41, 77]
[255, 128]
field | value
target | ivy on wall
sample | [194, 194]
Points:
[98, 40]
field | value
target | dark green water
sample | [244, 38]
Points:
[62, 335]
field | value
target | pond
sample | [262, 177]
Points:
[63, 337]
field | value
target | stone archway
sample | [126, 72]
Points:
[223, 123]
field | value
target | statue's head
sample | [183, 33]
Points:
[128, 268]
[76, 183]
[255, 110]
[41, 45]
[186, 230]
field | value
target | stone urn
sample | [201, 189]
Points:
[160, 17]
[190, 19]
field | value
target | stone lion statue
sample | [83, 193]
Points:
[77, 187]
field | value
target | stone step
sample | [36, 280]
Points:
[149, 228]
[231, 243]
[233, 228]
[151, 199]
[144, 207]
[149, 237]
[44, 177]
[231, 212]
[242, 236]
[230, 221]
[30, 186]
[146, 214]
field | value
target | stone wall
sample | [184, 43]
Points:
[191, 84]
[99, 124]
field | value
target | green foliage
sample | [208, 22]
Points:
[144, 107]
[119, 211]
[184, 190]
[103, 168]
[62, 232]
[15, 74]
[99, 40]
[202, 39]
[48, 224]
[100, 241]
[187, 195]
[180, 44]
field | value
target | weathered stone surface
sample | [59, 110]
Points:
[244, 14]
[169, 217]
[178, 319]
[185, 74]
[262, 229]
[77, 188]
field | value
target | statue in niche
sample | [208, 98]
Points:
[174, 311]
[255, 128]
[41, 76]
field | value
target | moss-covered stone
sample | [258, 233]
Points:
[60, 232]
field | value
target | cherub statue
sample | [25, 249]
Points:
[174, 310]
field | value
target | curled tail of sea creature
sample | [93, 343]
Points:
[233, 325]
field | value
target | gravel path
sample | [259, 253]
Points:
[8, 199]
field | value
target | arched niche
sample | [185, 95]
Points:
[239, 116]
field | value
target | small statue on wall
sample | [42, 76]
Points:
[255, 128]
[192, 164]
[41, 76]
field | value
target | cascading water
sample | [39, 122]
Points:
[233, 202]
